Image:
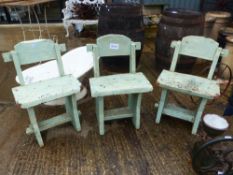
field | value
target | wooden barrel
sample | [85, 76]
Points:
[222, 19]
[229, 59]
[209, 24]
[174, 25]
[123, 19]
[84, 11]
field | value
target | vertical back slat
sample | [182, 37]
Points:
[93, 48]
[132, 62]
[18, 69]
[175, 55]
[114, 45]
[96, 61]
[214, 63]
[59, 60]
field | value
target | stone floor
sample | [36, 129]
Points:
[162, 149]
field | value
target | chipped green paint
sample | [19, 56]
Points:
[131, 83]
[29, 96]
[204, 88]
[118, 84]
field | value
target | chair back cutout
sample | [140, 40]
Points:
[33, 51]
[198, 47]
[114, 45]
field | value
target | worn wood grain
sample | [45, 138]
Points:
[189, 84]
[204, 88]
[119, 84]
[34, 94]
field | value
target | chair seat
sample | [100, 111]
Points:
[189, 84]
[44, 91]
[129, 83]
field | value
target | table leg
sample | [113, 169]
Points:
[66, 24]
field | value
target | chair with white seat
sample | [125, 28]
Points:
[30, 95]
[133, 84]
[204, 88]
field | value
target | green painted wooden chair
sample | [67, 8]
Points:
[204, 88]
[30, 95]
[131, 83]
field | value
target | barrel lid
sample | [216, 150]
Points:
[218, 14]
[181, 13]
[230, 39]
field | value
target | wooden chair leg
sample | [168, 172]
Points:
[68, 106]
[162, 102]
[34, 124]
[97, 108]
[197, 119]
[134, 103]
[74, 112]
[100, 115]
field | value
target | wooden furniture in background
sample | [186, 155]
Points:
[30, 95]
[204, 88]
[215, 21]
[133, 84]
[174, 25]
[229, 59]
[30, 4]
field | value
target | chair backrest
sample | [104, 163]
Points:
[33, 51]
[114, 45]
[198, 47]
